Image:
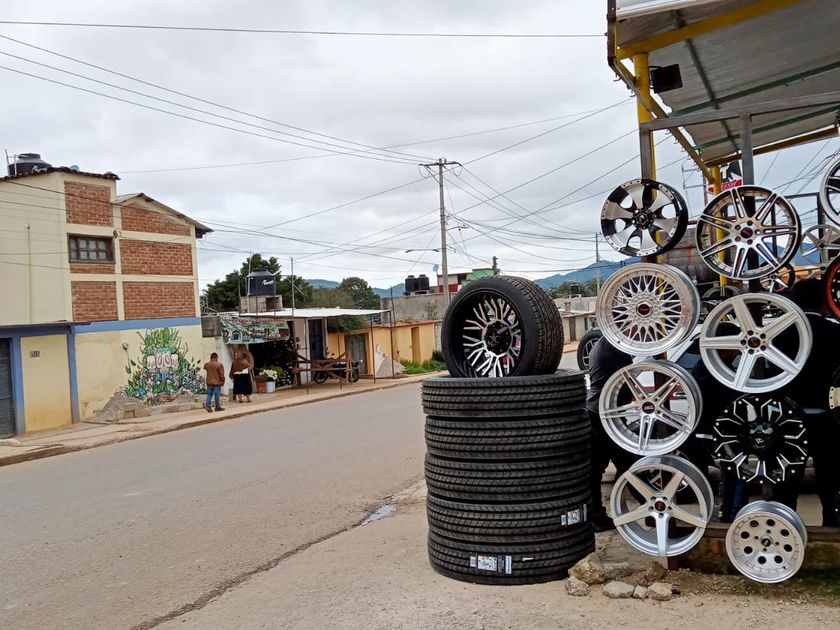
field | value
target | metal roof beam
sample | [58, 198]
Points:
[778, 146]
[799, 76]
[768, 107]
[716, 22]
[775, 125]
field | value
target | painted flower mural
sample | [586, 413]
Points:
[164, 369]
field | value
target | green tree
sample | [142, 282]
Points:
[303, 291]
[360, 293]
[337, 298]
[586, 289]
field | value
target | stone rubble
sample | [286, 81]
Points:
[618, 590]
[576, 587]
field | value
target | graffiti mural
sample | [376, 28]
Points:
[164, 369]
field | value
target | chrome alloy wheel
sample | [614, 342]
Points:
[644, 217]
[644, 502]
[761, 438]
[492, 337]
[820, 244]
[645, 309]
[651, 407]
[739, 344]
[780, 280]
[766, 542]
[830, 192]
[747, 220]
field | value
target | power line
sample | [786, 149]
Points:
[195, 98]
[273, 31]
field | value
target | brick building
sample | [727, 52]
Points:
[100, 297]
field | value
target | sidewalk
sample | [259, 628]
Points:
[86, 435]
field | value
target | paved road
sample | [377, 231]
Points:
[122, 536]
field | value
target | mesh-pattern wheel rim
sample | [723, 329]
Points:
[761, 438]
[830, 192]
[780, 280]
[766, 542]
[491, 335]
[747, 220]
[737, 360]
[646, 309]
[644, 217]
[650, 420]
[820, 244]
[832, 286]
[645, 500]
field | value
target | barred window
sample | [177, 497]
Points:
[91, 249]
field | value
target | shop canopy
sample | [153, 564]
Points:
[776, 62]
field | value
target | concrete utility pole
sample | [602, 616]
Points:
[292, 279]
[597, 267]
[443, 263]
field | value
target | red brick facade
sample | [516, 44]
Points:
[84, 267]
[158, 259]
[94, 301]
[147, 300]
[88, 204]
[136, 219]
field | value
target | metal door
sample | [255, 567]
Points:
[356, 346]
[7, 408]
[316, 339]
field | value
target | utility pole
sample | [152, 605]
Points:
[443, 263]
[495, 266]
[292, 263]
[597, 267]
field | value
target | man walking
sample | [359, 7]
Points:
[215, 379]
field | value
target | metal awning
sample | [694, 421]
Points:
[315, 313]
[734, 56]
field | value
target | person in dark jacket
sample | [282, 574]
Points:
[215, 379]
[240, 372]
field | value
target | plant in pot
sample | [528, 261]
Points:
[266, 380]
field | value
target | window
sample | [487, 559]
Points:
[91, 249]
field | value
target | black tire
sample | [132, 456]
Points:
[561, 379]
[507, 444]
[490, 482]
[471, 407]
[490, 522]
[353, 376]
[517, 563]
[585, 345]
[320, 377]
[536, 326]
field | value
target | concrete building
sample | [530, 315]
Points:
[100, 298]
[412, 340]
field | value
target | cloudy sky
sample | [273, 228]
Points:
[510, 110]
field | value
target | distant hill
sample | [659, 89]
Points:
[320, 283]
[587, 273]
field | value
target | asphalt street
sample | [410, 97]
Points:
[134, 534]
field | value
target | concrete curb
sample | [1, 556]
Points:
[125, 436]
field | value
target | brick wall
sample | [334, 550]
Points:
[151, 258]
[94, 301]
[80, 267]
[144, 300]
[88, 204]
[136, 219]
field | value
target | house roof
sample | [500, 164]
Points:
[314, 313]
[62, 169]
[200, 228]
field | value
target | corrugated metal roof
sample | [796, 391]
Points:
[784, 54]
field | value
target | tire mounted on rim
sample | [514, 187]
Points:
[501, 326]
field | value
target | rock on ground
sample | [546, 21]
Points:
[589, 570]
[618, 590]
[640, 592]
[661, 591]
[577, 587]
[617, 570]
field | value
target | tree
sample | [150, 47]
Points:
[360, 293]
[585, 289]
[337, 298]
[303, 291]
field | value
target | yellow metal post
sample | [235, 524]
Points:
[716, 189]
[642, 72]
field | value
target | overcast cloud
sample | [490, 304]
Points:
[376, 91]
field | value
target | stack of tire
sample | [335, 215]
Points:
[507, 467]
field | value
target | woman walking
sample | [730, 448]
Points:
[240, 372]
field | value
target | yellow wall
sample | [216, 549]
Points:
[46, 382]
[402, 348]
[101, 362]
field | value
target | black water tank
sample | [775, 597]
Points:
[423, 282]
[26, 163]
[261, 282]
[411, 285]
